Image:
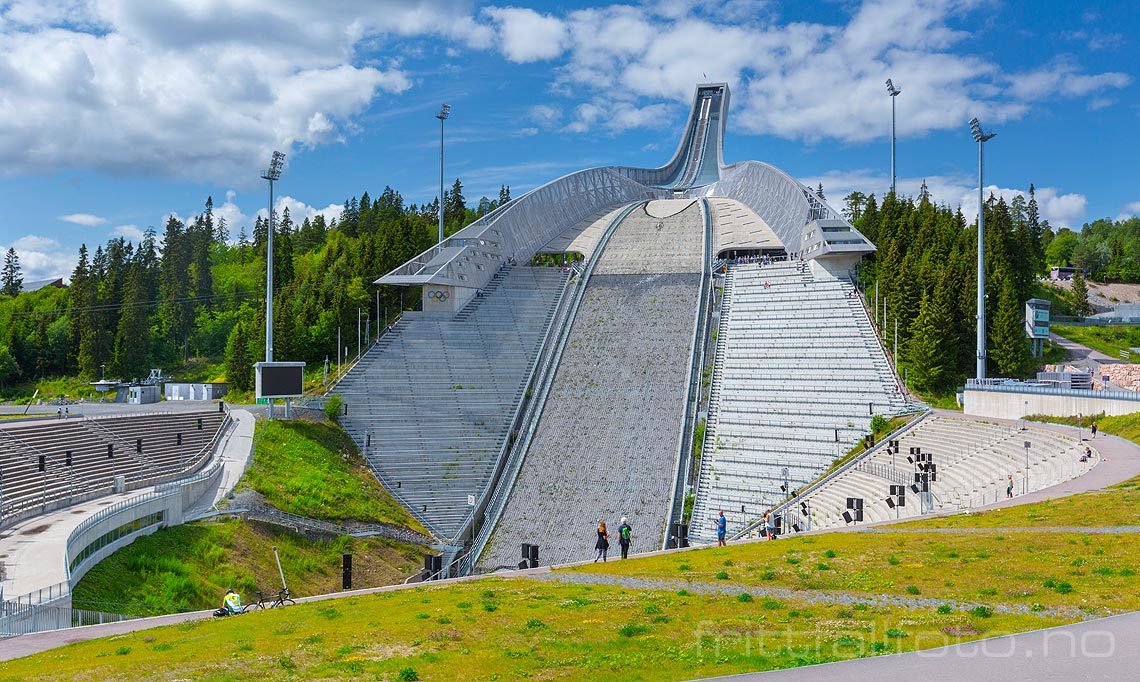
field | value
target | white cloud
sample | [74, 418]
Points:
[41, 257]
[957, 191]
[131, 232]
[797, 80]
[299, 210]
[85, 219]
[1130, 211]
[195, 89]
[526, 35]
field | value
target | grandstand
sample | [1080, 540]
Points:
[432, 404]
[974, 458]
[82, 457]
[799, 372]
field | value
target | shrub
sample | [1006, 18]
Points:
[122, 651]
[722, 576]
[830, 554]
[768, 575]
[895, 633]
[333, 405]
[632, 630]
[913, 589]
[408, 675]
[893, 560]
[982, 612]
[535, 623]
[652, 609]
[822, 567]
[879, 423]
[744, 597]
[945, 609]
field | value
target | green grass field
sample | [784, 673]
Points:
[1108, 340]
[314, 469]
[189, 567]
[518, 628]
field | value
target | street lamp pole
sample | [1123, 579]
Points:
[444, 112]
[981, 137]
[893, 92]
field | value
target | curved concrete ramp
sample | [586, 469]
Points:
[606, 443]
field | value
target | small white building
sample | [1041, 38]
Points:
[191, 391]
[142, 395]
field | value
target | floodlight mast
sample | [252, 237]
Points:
[893, 92]
[981, 137]
[444, 112]
[271, 174]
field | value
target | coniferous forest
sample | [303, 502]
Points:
[196, 291]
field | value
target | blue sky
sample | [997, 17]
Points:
[115, 113]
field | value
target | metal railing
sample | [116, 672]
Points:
[839, 471]
[1010, 386]
[697, 354]
[497, 495]
[20, 619]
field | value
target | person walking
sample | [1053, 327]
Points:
[624, 534]
[1093, 429]
[770, 525]
[721, 529]
[1009, 488]
[603, 543]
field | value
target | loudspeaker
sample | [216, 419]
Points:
[533, 556]
[859, 514]
[796, 527]
[526, 550]
[178, 439]
[847, 517]
[522, 564]
[346, 571]
[891, 502]
[138, 445]
[914, 489]
[43, 463]
[68, 458]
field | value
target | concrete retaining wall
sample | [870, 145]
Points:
[1009, 405]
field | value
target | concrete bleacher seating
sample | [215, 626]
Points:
[435, 397]
[797, 376]
[94, 468]
[974, 459]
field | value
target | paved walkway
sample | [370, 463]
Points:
[34, 552]
[1082, 355]
[236, 452]
[1103, 649]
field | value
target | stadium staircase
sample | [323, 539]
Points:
[798, 374]
[431, 405]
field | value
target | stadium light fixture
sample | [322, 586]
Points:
[893, 92]
[444, 113]
[981, 137]
[272, 174]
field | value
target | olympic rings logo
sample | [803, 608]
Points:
[438, 296]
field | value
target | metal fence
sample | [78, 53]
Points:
[1009, 386]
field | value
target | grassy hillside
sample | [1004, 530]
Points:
[1108, 340]
[189, 567]
[315, 470]
[518, 628]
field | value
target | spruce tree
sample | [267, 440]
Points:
[132, 338]
[1009, 347]
[239, 362]
[1080, 294]
[932, 359]
[11, 281]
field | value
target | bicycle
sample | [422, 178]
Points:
[282, 598]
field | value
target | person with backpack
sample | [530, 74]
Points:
[721, 529]
[624, 533]
[603, 543]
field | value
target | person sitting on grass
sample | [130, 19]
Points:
[232, 602]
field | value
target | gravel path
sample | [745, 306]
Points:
[826, 597]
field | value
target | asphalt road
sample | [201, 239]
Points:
[1103, 649]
